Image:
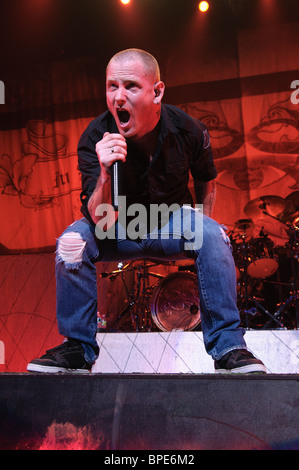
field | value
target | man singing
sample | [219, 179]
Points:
[156, 146]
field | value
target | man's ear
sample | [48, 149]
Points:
[159, 92]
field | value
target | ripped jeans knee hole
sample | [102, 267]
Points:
[70, 248]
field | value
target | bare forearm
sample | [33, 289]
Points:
[100, 199]
[209, 197]
[205, 194]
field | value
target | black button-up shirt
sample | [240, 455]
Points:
[183, 145]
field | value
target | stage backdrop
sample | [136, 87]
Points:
[238, 84]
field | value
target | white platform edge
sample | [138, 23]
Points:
[184, 352]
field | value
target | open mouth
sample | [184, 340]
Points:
[123, 116]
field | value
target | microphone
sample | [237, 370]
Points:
[115, 184]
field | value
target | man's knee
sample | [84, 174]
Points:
[70, 248]
[215, 234]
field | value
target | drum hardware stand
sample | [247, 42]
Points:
[247, 299]
[294, 293]
[140, 300]
[137, 303]
[293, 299]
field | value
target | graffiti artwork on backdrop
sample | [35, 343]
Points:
[225, 140]
[45, 170]
[278, 129]
[277, 135]
[273, 164]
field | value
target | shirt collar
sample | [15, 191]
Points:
[167, 122]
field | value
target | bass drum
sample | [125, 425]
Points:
[262, 260]
[175, 302]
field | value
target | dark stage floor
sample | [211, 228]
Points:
[119, 412]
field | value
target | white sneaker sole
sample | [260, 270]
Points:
[55, 370]
[250, 369]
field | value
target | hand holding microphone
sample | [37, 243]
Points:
[111, 150]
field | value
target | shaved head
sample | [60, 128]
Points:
[151, 66]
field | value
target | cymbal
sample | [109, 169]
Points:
[269, 227]
[272, 205]
[243, 224]
[291, 213]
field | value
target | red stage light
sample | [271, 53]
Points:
[125, 2]
[203, 6]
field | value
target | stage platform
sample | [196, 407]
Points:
[130, 412]
[184, 352]
[158, 392]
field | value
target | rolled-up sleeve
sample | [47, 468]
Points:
[89, 168]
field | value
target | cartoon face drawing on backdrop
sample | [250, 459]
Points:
[256, 158]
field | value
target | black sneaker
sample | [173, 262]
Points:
[239, 361]
[67, 357]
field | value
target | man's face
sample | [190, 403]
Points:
[131, 98]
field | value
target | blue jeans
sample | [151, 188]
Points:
[78, 249]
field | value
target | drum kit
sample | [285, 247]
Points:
[159, 302]
[264, 266]
[156, 302]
